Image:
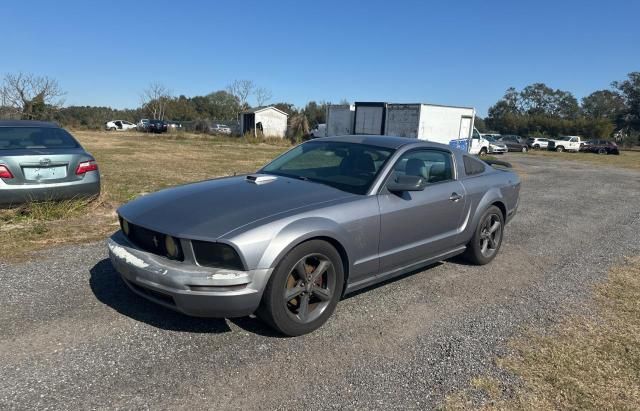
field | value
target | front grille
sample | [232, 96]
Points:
[149, 240]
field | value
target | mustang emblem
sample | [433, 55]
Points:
[45, 162]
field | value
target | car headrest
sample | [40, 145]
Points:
[417, 167]
[438, 172]
[360, 162]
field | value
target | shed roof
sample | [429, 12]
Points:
[263, 108]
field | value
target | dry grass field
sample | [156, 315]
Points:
[131, 164]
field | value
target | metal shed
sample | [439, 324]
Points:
[264, 122]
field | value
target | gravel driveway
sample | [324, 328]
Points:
[72, 335]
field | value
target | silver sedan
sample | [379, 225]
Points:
[327, 218]
[41, 161]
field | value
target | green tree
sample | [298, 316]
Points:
[603, 104]
[630, 91]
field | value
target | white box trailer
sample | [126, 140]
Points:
[431, 122]
[339, 120]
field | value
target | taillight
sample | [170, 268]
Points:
[86, 166]
[4, 172]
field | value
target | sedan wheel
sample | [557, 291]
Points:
[304, 289]
[560, 149]
[487, 238]
[524, 149]
[602, 151]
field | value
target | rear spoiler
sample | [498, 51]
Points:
[497, 163]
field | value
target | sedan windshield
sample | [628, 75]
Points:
[13, 138]
[346, 166]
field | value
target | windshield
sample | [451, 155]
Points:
[346, 166]
[12, 138]
[564, 138]
[490, 138]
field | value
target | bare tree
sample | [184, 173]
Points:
[241, 89]
[29, 96]
[154, 99]
[263, 95]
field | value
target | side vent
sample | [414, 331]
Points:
[260, 179]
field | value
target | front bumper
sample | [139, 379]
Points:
[16, 194]
[496, 150]
[187, 287]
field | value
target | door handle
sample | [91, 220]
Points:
[455, 197]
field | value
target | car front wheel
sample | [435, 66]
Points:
[560, 149]
[304, 289]
[487, 238]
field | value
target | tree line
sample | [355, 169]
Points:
[536, 110]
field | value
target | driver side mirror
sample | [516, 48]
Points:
[401, 183]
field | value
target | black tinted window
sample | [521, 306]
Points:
[12, 138]
[472, 166]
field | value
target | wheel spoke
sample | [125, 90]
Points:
[303, 309]
[322, 293]
[301, 271]
[292, 293]
[492, 242]
[320, 269]
[484, 243]
[494, 227]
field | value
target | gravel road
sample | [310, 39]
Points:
[72, 336]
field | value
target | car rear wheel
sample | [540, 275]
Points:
[487, 238]
[112, 129]
[304, 289]
[602, 151]
[524, 149]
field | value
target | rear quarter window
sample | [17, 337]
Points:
[472, 166]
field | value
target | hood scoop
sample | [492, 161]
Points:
[260, 179]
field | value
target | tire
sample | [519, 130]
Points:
[524, 149]
[483, 152]
[491, 245]
[310, 301]
[536, 147]
[560, 149]
[603, 151]
[112, 129]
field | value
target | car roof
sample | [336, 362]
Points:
[28, 123]
[391, 142]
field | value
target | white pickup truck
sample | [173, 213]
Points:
[565, 143]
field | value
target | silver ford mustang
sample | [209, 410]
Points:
[326, 218]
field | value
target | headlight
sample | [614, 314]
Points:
[125, 227]
[172, 247]
[217, 255]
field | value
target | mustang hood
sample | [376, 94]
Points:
[209, 209]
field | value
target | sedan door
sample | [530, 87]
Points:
[418, 225]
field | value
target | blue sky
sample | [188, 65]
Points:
[467, 53]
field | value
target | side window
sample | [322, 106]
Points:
[472, 166]
[433, 165]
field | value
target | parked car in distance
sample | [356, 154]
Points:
[495, 146]
[173, 125]
[327, 218]
[565, 143]
[537, 143]
[601, 147]
[40, 161]
[220, 129]
[319, 131]
[514, 143]
[143, 124]
[156, 126]
[119, 125]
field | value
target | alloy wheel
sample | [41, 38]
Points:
[309, 288]
[490, 235]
